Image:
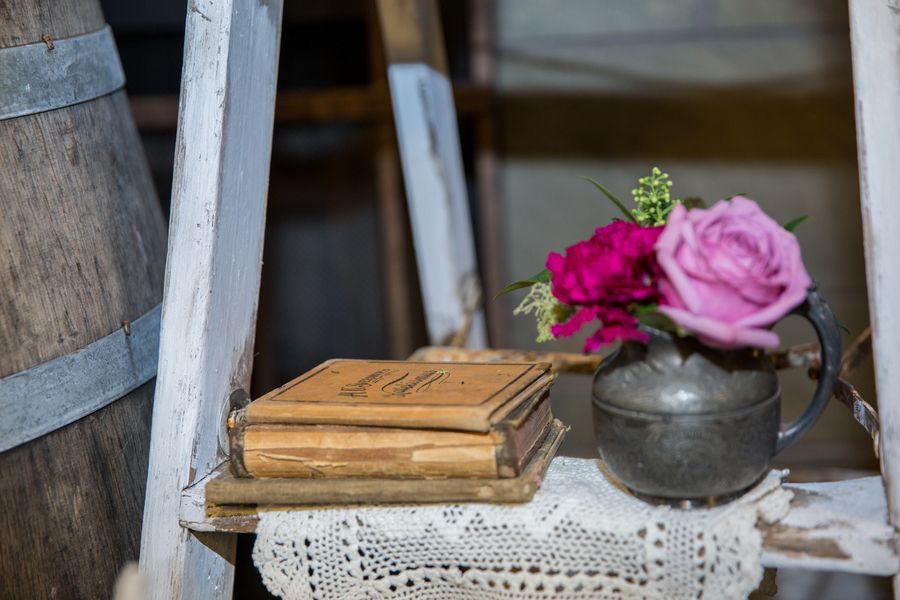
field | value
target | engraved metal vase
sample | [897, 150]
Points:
[682, 423]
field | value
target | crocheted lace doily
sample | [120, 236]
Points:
[580, 537]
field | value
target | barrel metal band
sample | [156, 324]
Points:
[53, 394]
[57, 73]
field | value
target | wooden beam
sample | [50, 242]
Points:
[490, 219]
[561, 362]
[212, 279]
[159, 112]
[393, 223]
[428, 137]
[875, 37]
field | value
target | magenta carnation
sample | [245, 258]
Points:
[603, 275]
[616, 265]
[618, 324]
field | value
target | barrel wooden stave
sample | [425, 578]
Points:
[27, 21]
[82, 235]
[82, 248]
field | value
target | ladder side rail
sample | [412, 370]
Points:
[213, 268]
[875, 42]
[428, 137]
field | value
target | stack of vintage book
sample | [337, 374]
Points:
[394, 431]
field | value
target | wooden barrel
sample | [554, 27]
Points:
[82, 249]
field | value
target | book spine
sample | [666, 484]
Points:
[507, 461]
[236, 425]
[521, 434]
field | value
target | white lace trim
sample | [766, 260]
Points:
[580, 537]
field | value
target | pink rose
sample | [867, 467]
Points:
[729, 273]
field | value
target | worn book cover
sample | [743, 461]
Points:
[314, 451]
[398, 419]
[454, 396]
[229, 496]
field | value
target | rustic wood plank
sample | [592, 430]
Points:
[875, 37]
[561, 362]
[427, 133]
[835, 526]
[82, 248]
[212, 278]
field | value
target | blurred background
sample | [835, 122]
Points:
[726, 96]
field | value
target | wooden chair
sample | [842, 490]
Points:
[213, 271]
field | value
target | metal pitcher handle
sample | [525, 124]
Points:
[816, 311]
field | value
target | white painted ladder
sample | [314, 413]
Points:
[215, 249]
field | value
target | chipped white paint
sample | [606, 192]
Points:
[212, 278]
[875, 33]
[192, 513]
[875, 37]
[425, 118]
[836, 526]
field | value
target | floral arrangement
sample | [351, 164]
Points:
[724, 274]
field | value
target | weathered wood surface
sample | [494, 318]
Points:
[82, 245]
[212, 278]
[427, 133]
[875, 43]
[226, 503]
[874, 26]
[837, 526]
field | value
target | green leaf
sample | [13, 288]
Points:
[792, 225]
[542, 277]
[612, 198]
[693, 202]
[648, 315]
[657, 320]
[841, 326]
[642, 309]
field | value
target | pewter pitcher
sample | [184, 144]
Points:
[676, 420]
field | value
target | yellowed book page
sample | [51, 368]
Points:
[457, 396]
[324, 451]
